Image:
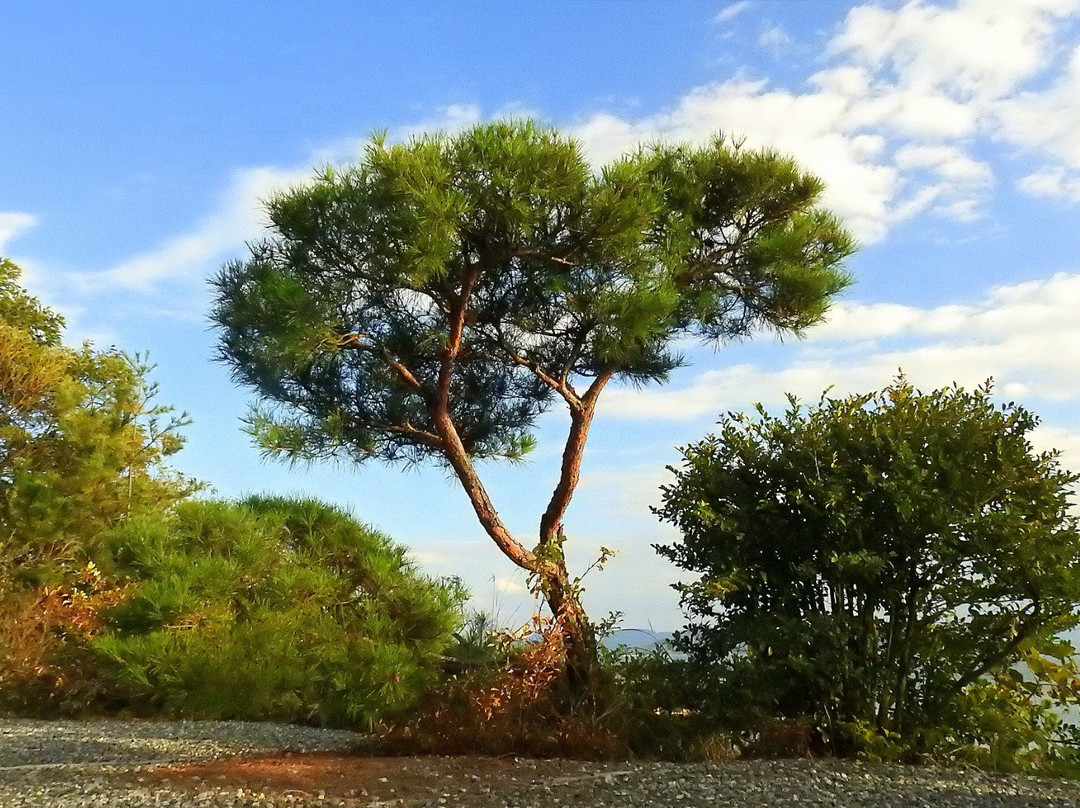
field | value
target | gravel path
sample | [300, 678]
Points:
[124, 763]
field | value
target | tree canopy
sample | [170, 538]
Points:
[430, 301]
[82, 444]
[874, 557]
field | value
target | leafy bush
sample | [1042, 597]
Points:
[267, 609]
[879, 563]
[82, 446]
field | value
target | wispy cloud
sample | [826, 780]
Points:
[732, 10]
[1022, 335]
[775, 40]
[12, 225]
[238, 216]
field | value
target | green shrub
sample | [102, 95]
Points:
[268, 609]
[878, 565]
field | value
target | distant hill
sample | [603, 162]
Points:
[638, 638]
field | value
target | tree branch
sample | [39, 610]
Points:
[580, 419]
[356, 342]
[560, 387]
[421, 435]
[451, 444]
[457, 330]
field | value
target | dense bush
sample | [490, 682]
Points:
[879, 564]
[116, 593]
[82, 448]
[267, 609]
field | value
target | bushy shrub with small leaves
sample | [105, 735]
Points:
[269, 609]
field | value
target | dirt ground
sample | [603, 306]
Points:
[485, 782]
[389, 780]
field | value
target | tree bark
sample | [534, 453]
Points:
[581, 415]
[478, 496]
[547, 562]
[561, 594]
[578, 636]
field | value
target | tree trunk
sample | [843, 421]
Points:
[578, 635]
[562, 595]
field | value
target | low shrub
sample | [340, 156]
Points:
[268, 609]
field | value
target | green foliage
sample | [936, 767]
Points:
[878, 562]
[269, 609]
[82, 445]
[20, 311]
[428, 303]
[561, 272]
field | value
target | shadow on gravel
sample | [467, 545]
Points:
[484, 782]
[333, 776]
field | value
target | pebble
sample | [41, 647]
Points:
[96, 764]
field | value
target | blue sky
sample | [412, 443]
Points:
[138, 138]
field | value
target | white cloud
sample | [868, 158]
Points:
[1066, 441]
[978, 49]
[775, 40]
[890, 121]
[12, 226]
[235, 219]
[860, 187]
[453, 118]
[949, 162]
[1025, 336]
[840, 131]
[732, 10]
[238, 215]
[1053, 183]
[887, 124]
[1048, 121]
[979, 67]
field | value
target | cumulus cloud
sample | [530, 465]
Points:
[841, 131]
[977, 49]
[12, 225]
[1055, 183]
[981, 67]
[810, 126]
[889, 122]
[1022, 335]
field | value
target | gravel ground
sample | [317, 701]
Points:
[117, 763]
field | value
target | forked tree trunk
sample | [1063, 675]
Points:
[562, 594]
[547, 562]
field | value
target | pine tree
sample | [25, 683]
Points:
[431, 301]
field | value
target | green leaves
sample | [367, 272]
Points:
[560, 274]
[913, 542]
[330, 619]
[82, 443]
